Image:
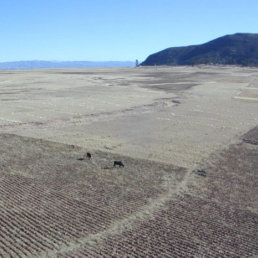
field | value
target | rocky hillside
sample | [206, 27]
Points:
[236, 49]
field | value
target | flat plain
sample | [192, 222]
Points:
[164, 124]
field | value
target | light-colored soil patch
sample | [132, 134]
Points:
[248, 94]
[177, 115]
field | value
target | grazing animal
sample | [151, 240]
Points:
[200, 172]
[118, 163]
[89, 156]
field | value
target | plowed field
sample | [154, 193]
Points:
[50, 198]
[55, 204]
[188, 139]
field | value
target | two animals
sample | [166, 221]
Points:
[116, 162]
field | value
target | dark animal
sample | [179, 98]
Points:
[200, 172]
[118, 163]
[87, 155]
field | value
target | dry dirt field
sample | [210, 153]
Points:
[165, 124]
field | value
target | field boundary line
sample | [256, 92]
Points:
[124, 224]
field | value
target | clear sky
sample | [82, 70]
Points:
[101, 30]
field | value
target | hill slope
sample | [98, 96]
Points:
[240, 49]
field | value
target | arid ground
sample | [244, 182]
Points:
[188, 138]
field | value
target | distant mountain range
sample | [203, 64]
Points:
[236, 49]
[24, 65]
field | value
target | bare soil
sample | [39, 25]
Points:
[251, 137]
[164, 124]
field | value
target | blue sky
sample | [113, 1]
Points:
[101, 30]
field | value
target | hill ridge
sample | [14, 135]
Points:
[231, 49]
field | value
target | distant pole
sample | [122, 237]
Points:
[136, 63]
